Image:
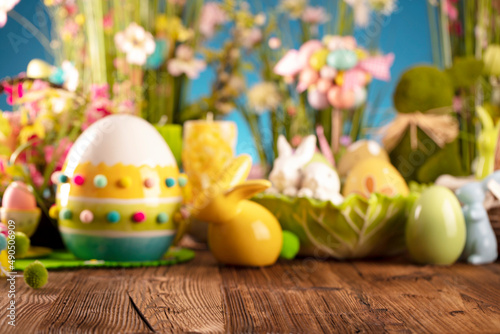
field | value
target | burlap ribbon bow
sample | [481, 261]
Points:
[441, 128]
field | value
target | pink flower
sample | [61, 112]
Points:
[451, 10]
[13, 91]
[99, 91]
[71, 28]
[107, 21]
[250, 37]
[314, 15]
[185, 63]
[295, 61]
[211, 17]
[274, 43]
[60, 152]
[345, 140]
[35, 175]
[5, 7]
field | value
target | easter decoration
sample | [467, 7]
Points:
[22, 243]
[311, 206]
[209, 146]
[424, 133]
[335, 73]
[36, 275]
[481, 242]
[294, 174]
[375, 175]
[19, 205]
[4, 259]
[359, 151]
[242, 232]
[486, 143]
[435, 231]
[118, 192]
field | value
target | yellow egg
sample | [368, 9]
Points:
[339, 80]
[375, 175]
[357, 152]
[318, 59]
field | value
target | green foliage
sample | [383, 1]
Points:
[357, 228]
[423, 88]
[465, 71]
[35, 275]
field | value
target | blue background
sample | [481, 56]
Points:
[406, 33]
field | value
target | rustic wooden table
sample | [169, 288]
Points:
[305, 295]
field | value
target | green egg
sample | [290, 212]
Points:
[435, 232]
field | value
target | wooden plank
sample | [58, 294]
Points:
[31, 305]
[95, 299]
[297, 296]
[431, 298]
[305, 295]
[184, 298]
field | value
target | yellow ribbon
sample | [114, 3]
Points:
[441, 128]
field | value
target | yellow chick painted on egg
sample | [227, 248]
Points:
[242, 232]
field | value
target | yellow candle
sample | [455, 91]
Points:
[208, 146]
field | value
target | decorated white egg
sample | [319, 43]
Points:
[118, 192]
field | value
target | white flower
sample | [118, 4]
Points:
[136, 42]
[264, 96]
[71, 76]
[363, 8]
[361, 11]
[260, 19]
[5, 7]
[295, 8]
[314, 15]
[185, 62]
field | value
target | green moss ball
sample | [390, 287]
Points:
[35, 275]
[423, 88]
[22, 244]
[291, 245]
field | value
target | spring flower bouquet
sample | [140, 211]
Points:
[140, 56]
[296, 74]
[334, 73]
[36, 136]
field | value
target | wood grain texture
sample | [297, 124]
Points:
[184, 298]
[309, 295]
[31, 305]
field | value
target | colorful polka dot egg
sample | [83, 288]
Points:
[118, 191]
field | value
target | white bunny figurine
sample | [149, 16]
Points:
[287, 171]
[321, 182]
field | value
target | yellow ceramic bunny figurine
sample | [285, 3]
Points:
[242, 232]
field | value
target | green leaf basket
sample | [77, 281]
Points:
[357, 228]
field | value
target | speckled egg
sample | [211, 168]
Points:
[375, 175]
[120, 190]
[359, 151]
